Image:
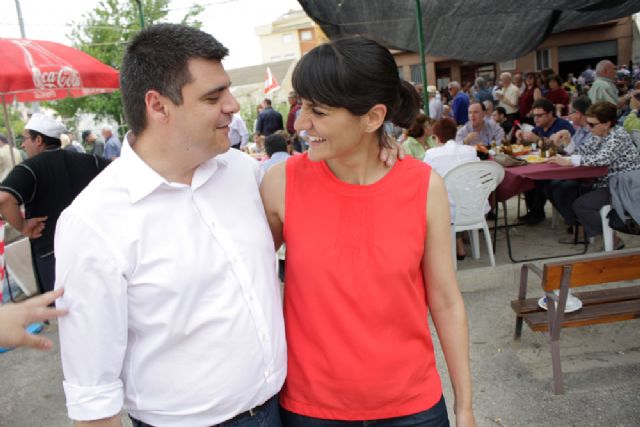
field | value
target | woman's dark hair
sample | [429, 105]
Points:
[416, 130]
[47, 140]
[445, 129]
[356, 73]
[603, 111]
[535, 77]
[158, 59]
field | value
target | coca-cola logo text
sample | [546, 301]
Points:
[55, 78]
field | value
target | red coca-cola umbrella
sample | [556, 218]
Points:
[36, 70]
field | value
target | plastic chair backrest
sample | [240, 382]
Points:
[469, 185]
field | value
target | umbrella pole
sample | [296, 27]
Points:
[12, 143]
[423, 64]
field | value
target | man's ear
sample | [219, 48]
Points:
[374, 118]
[156, 106]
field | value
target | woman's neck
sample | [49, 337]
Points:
[360, 166]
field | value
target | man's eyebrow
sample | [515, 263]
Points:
[216, 90]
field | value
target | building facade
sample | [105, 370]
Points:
[289, 37]
[566, 52]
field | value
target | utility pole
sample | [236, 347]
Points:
[19, 11]
[423, 64]
[35, 106]
[140, 13]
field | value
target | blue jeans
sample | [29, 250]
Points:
[435, 416]
[268, 416]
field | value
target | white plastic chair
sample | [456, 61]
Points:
[469, 185]
[607, 232]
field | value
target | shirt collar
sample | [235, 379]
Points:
[147, 180]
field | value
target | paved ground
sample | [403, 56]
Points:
[512, 380]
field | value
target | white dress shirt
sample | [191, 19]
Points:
[509, 100]
[436, 110]
[174, 303]
[238, 133]
[446, 157]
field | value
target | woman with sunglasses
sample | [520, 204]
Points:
[610, 146]
[368, 254]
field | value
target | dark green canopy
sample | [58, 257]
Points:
[472, 30]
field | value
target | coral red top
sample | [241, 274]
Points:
[358, 339]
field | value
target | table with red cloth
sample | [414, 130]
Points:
[519, 179]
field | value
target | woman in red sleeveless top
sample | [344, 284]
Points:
[530, 94]
[368, 254]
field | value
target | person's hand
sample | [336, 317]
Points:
[468, 140]
[33, 227]
[561, 137]
[389, 155]
[559, 160]
[14, 318]
[465, 418]
[527, 136]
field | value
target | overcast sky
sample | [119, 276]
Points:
[232, 22]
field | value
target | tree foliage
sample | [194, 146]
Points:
[103, 33]
[17, 125]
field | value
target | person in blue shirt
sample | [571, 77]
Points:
[459, 104]
[269, 120]
[547, 124]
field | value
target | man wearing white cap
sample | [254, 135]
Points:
[45, 183]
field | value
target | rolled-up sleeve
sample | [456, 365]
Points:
[93, 335]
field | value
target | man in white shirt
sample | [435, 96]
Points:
[238, 133]
[508, 96]
[174, 303]
[435, 103]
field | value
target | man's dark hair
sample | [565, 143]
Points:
[85, 135]
[158, 59]
[47, 140]
[545, 104]
[501, 110]
[267, 102]
[581, 104]
[275, 143]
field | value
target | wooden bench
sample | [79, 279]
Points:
[598, 306]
